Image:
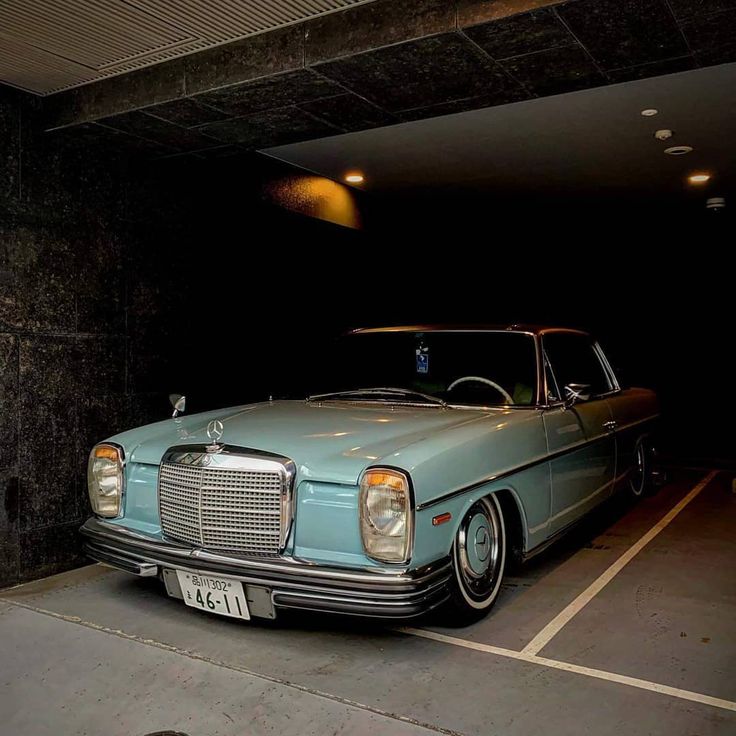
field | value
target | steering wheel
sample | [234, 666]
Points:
[487, 381]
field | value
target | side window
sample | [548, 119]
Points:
[574, 360]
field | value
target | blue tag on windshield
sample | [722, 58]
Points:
[422, 361]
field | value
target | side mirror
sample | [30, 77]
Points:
[575, 392]
[179, 403]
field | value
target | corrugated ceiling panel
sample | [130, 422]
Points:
[96, 34]
[33, 69]
[50, 45]
[233, 19]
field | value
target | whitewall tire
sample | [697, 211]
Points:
[478, 560]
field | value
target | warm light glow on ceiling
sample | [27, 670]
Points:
[316, 196]
[699, 178]
[354, 177]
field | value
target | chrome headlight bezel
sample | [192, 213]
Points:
[109, 458]
[378, 544]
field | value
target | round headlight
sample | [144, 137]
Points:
[105, 479]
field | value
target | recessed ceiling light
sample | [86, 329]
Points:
[354, 177]
[698, 178]
[650, 112]
[678, 150]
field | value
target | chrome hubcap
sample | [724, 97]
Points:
[482, 544]
[478, 548]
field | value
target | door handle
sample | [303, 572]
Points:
[610, 426]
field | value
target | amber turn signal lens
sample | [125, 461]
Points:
[390, 480]
[108, 453]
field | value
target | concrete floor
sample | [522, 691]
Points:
[95, 651]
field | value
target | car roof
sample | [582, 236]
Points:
[529, 329]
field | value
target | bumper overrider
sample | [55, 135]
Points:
[287, 582]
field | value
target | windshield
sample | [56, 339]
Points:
[466, 368]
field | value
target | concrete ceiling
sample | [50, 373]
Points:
[384, 63]
[592, 142]
[50, 45]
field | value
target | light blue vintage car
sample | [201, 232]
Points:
[439, 454]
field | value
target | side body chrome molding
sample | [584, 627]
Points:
[532, 463]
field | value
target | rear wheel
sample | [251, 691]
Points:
[641, 473]
[478, 560]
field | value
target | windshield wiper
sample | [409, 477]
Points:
[374, 393]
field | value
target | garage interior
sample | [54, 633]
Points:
[175, 217]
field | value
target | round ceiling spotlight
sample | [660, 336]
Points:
[664, 135]
[678, 150]
[354, 177]
[650, 112]
[715, 204]
[700, 178]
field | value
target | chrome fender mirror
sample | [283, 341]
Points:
[179, 403]
[575, 392]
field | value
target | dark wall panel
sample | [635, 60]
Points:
[75, 260]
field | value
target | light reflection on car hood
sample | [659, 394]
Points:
[331, 441]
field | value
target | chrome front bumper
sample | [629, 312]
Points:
[292, 583]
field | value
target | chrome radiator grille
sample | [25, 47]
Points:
[236, 509]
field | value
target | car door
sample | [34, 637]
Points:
[634, 411]
[580, 439]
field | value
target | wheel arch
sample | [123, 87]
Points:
[514, 518]
[513, 524]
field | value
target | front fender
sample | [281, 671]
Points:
[454, 469]
[529, 490]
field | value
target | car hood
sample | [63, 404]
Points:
[329, 441]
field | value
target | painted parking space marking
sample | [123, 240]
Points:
[530, 653]
[422, 633]
[572, 609]
[577, 669]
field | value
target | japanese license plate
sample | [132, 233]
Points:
[216, 595]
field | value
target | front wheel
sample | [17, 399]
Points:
[478, 560]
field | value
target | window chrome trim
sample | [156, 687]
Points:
[493, 407]
[231, 457]
[449, 405]
[613, 385]
[607, 366]
[378, 402]
[548, 364]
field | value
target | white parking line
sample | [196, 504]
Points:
[530, 652]
[577, 669]
[563, 617]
